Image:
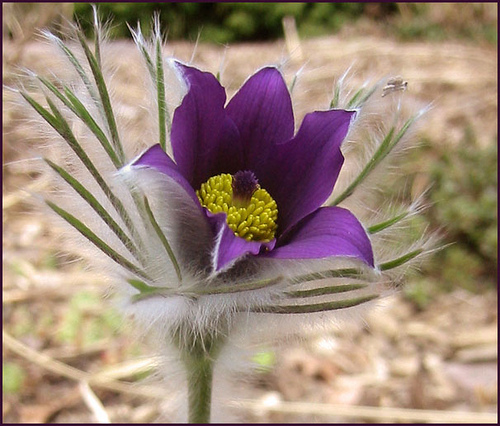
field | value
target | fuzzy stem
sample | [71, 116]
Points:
[199, 351]
[199, 366]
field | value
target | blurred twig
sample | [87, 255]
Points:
[72, 373]
[94, 404]
[55, 291]
[380, 414]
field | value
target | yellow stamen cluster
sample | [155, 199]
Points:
[255, 221]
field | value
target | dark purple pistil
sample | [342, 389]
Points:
[244, 185]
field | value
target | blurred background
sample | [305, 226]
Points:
[431, 347]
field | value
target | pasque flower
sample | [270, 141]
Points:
[224, 213]
[259, 186]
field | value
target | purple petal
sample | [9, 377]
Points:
[329, 231]
[159, 160]
[205, 140]
[262, 111]
[230, 248]
[301, 173]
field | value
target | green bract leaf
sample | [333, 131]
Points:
[317, 307]
[76, 106]
[400, 260]
[94, 239]
[163, 239]
[104, 97]
[163, 118]
[97, 207]
[388, 223]
[387, 145]
[78, 67]
[57, 121]
[321, 291]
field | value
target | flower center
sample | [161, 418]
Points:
[251, 211]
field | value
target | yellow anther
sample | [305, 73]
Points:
[253, 218]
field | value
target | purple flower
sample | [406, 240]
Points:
[259, 186]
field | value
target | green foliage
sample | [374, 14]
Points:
[464, 197]
[23, 323]
[258, 21]
[222, 22]
[83, 324]
[265, 360]
[466, 187]
[420, 292]
[421, 29]
[463, 209]
[13, 376]
[433, 22]
[50, 261]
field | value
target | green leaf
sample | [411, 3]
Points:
[334, 103]
[64, 130]
[104, 97]
[374, 161]
[237, 288]
[293, 83]
[361, 96]
[400, 260]
[403, 130]
[59, 124]
[321, 291]
[387, 145]
[78, 67]
[317, 307]
[13, 377]
[163, 117]
[388, 223]
[354, 273]
[47, 116]
[97, 207]
[139, 41]
[163, 239]
[94, 239]
[141, 286]
[74, 104]
[79, 109]
[265, 359]
[332, 273]
[97, 35]
[158, 77]
[194, 293]
[355, 98]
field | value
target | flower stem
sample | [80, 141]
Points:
[199, 367]
[199, 352]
